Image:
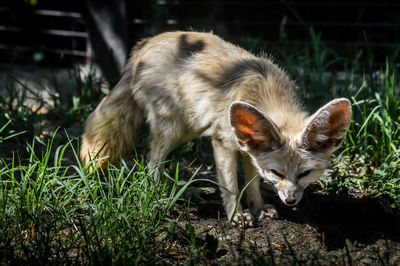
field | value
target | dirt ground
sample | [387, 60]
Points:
[322, 229]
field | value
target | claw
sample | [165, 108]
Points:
[244, 219]
[268, 211]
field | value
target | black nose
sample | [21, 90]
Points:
[290, 201]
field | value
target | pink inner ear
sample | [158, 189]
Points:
[246, 125]
[329, 132]
[339, 117]
[245, 117]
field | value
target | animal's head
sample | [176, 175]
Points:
[290, 164]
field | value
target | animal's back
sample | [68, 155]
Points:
[192, 78]
[182, 84]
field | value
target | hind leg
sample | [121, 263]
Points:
[163, 142]
[160, 147]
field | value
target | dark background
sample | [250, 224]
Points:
[56, 33]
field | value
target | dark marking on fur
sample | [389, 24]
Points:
[186, 48]
[243, 68]
[236, 72]
[139, 68]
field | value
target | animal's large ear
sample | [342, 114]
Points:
[253, 130]
[327, 128]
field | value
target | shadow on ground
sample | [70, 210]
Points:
[324, 228]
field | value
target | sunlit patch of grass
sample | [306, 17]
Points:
[374, 137]
[55, 213]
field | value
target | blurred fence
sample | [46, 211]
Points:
[54, 32]
[49, 32]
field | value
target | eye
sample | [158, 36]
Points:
[305, 173]
[277, 173]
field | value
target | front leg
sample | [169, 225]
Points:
[226, 164]
[254, 198]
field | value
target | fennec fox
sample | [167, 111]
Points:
[189, 84]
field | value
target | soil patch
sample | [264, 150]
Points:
[323, 228]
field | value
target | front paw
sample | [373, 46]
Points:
[267, 211]
[243, 219]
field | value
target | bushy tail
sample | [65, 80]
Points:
[113, 127]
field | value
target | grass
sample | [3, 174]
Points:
[15, 116]
[375, 137]
[53, 211]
